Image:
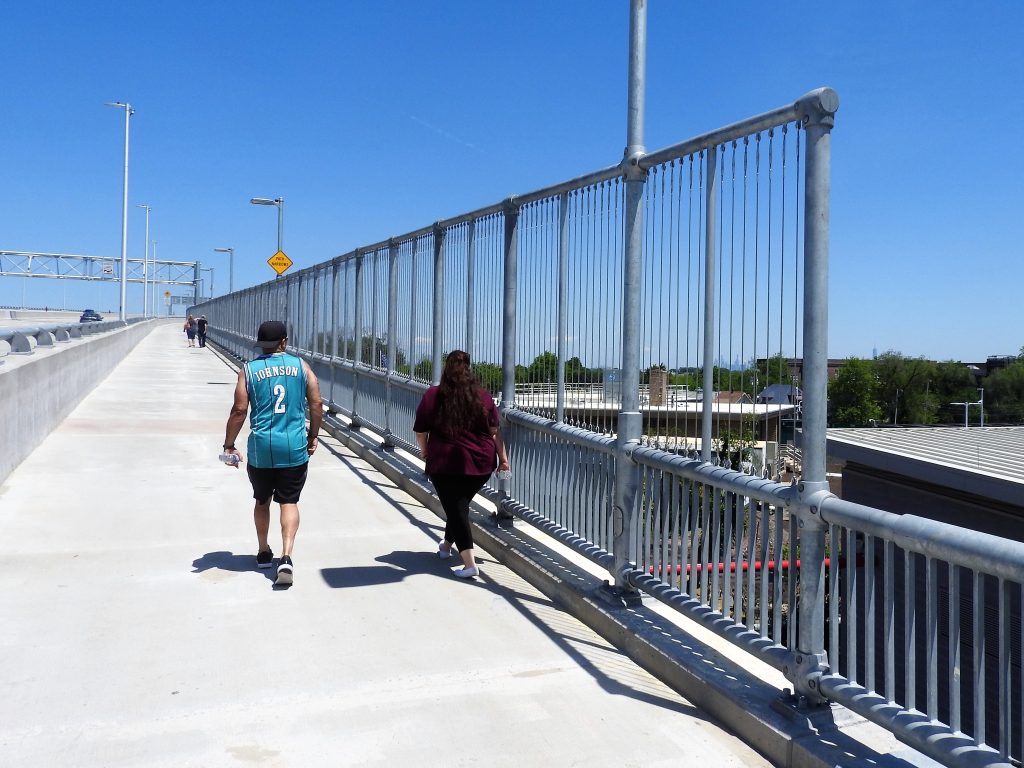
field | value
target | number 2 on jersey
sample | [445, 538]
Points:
[279, 394]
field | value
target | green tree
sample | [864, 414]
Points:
[489, 376]
[1004, 395]
[544, 368]
[951, 382]
[853, 395]
[903, 388]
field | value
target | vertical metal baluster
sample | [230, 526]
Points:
[870, 597]
[834, 576]
[889, 576]
[766, 512]
[780, 526]
[791, 579]
[719, 504]
[727, 577]
[979, 657]
[752, 524]
[953, 673]
[932, 638]
[1005, 714]
[910, 629]
[850, 614]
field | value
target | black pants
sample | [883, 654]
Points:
[455, 493]
[202, 339]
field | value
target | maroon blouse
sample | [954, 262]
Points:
[468, 453]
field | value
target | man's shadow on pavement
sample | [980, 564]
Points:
[395, 567]
[228, 561]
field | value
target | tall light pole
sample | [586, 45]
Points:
[128, 112]
[279, 202]
[145, 267]
[156, 271]
[210, 270]
[231, 265]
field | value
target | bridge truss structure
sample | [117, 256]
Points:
[66, 266]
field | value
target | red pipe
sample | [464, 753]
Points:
[770, 566]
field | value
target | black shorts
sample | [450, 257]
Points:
[285, 483]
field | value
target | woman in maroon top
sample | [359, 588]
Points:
[457, 430]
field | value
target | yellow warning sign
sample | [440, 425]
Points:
[280, 262]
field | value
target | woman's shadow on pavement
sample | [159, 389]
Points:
[228, 561]
[395, 566]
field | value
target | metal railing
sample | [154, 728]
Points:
[672, 266]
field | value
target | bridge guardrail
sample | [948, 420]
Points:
[662, 267]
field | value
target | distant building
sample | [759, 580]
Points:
[779, 394]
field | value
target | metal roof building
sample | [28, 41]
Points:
[972, 477]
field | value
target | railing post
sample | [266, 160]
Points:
[710, 281]
[630, 420]
[811, 660]
[357, 329]
[563, 300]
[470, 287]
[437, 336]
[508, 327]
[335, 302]
[392, 339]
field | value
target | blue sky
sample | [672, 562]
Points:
[375, 118]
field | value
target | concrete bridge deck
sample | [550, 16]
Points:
[137, 631]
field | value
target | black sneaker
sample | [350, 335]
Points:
[284, 572]
[265, 559]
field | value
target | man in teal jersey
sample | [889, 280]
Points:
[278, 387]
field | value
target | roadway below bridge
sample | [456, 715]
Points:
[137, 630]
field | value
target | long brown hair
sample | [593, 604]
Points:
[458, 405]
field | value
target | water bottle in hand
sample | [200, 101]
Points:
[231, 459]
[503, 474]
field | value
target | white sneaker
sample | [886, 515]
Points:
[467, 573]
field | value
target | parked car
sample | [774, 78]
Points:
[90, 316]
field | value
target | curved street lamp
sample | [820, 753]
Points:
[279, 202]
[231, 266]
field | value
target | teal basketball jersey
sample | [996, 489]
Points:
[277, 411]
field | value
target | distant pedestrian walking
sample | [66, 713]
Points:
[201, 326]
[275, 389]
[457, 429]
[190, 330]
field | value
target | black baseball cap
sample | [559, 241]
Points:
[270, 334]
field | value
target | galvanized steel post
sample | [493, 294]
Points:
[819, 108]
[357, 330]
[563, 300]
[710, 281]
[630, 420]
[437, 336]
[335, 301]
[508, 325]
[392, 339]
[470, 282]
[509, 299]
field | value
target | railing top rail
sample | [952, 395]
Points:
[823, 99]
[820, 101]
[1003, 558]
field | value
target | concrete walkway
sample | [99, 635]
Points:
[136, 630]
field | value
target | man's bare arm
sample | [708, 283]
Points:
[316, 408]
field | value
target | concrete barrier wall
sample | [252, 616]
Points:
[37, 392]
